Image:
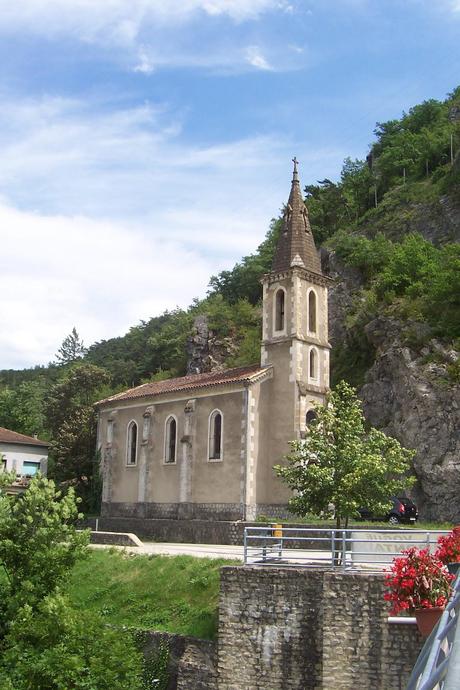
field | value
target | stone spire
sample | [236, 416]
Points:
[296, 246]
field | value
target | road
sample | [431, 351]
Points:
[224, 551]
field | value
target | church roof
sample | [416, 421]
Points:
[191, 382]
[296, 246]
[7, 436]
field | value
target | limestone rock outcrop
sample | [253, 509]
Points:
[205, 351]
[345, 288]
[412, 395]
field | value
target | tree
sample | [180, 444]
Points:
[21, 408]
[44, 642]
[72, 348]
[342, 463]
[38, 543]
[71, 418]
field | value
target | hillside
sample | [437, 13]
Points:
[388, 232]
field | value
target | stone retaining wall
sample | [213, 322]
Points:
[115, 538]
[191, 663]
[302, 629]
[194, 531]
[295, 629]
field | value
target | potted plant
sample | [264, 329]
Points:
[419, 584]
[448, 550]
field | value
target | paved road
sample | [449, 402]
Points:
[223, 551]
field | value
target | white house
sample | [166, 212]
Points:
[25, 455]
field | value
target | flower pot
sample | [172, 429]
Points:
[453, 568]
[427, 619]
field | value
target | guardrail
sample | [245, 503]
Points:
[334, 548]
[438, 665]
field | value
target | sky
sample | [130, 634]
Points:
[146, 144]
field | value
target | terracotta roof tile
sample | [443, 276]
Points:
[7, 436]
[190, 382]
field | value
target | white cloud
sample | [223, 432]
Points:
[145, 64]
[70, 156]
[102, 277]
[255, 58]
[145, 35]
[120, 19]
[110, 216]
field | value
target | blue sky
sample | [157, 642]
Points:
[146, 144]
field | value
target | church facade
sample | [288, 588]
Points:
[204, 445]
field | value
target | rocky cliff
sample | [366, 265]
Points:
[411, 393]
[205, 350]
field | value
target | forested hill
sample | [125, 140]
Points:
[390, 226]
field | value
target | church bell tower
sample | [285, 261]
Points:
[295, 323]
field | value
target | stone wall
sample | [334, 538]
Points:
[173, 511]
[360, 648]
[300, 629]
[270, 633]
[191, 662]
[174, 531]
[197, 531]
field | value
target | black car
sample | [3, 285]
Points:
[403, 511]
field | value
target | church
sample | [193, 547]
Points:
[204, 445]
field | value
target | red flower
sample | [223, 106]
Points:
[417, 579]
[448, 550]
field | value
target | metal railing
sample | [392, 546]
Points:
[438, 665]
[372, 549]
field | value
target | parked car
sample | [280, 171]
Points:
[403, 511]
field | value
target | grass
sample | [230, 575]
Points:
[176, 594]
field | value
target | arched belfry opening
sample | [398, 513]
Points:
[280, 306]
[312, 311]
[313, 364]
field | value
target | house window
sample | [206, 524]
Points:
[312, 311]
[131, 449]
[279, 310]
[30, 468]
[313, 364]
[171, 440]
[215, 435]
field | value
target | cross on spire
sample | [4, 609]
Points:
[294, 174]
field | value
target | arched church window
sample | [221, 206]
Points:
[215, 435]
[312, 311]
[313, 364]
[310, 417]
[279, 310]
[171, 440]
[131, 447]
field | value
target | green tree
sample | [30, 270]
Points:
[44, 643]
[55, 647]
[72, 348]
[357, 185]
[72, 420]
[342, 463]
[38, 543]
[21, 408]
